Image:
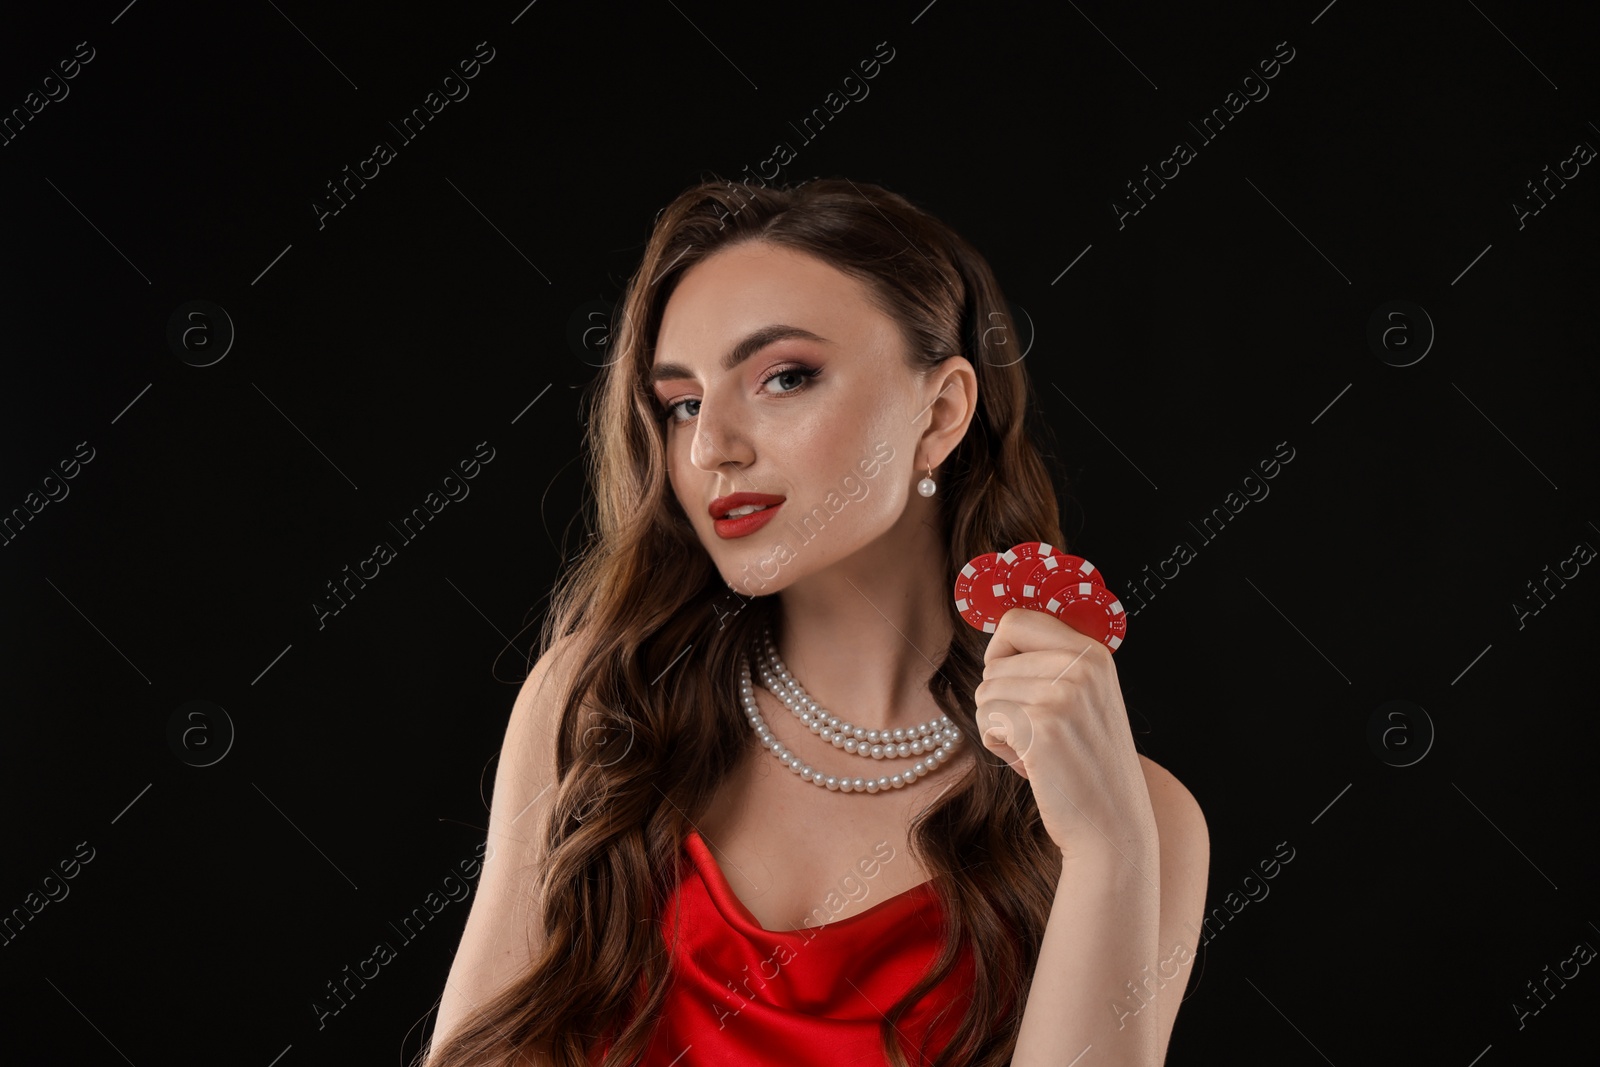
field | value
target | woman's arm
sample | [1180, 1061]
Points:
[503, 935]
[1119, 943]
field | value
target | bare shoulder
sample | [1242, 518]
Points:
[503, 934]
[530, 734]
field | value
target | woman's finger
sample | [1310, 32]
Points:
[1007, 732]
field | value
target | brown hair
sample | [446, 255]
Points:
[646, 590]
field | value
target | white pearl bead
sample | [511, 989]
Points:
[926, 487]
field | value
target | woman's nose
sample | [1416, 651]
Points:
[719, 439]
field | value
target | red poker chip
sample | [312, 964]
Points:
[1092, 610]
[1079, 568]
[1009, 567]
[1027, 558]
[1064, 576]
[981, 594]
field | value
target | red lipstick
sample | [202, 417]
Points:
[742, 525]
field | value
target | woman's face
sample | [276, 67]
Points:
[827, 418]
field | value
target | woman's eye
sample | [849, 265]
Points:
[797, 376]
[670, 410]
[800, 375]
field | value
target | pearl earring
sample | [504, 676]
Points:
[927, 485]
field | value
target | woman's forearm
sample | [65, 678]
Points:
[1102, 939]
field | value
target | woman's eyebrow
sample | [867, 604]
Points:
[749, 346]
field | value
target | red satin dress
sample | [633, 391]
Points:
[742, 994]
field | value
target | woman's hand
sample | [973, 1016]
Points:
[1051, 707]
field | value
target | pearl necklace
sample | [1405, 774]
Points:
[869, 744]
[935, 741]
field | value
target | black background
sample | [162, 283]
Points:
[440, 307]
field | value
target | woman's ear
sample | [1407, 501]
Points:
[952, 401]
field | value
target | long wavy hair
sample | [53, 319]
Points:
[648, 730]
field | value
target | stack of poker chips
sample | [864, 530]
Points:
[1042, 577]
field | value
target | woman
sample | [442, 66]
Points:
[659, 883]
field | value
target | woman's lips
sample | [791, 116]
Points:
[745, 524]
